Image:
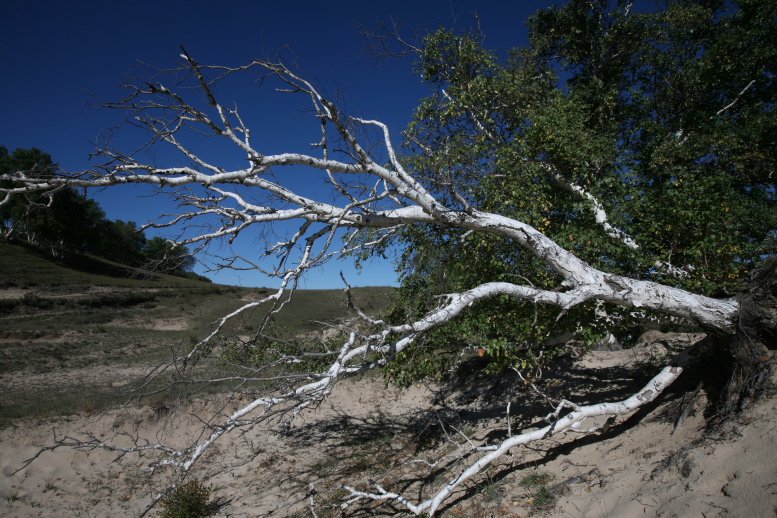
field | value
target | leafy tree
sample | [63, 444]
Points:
[74, 223]
[162, 255]
[122, 242]
[535, 195]
[63, 220]
[653, 120]
[17, 215]
[59, 220]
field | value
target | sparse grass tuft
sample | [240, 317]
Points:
[13, 496]
[491, 492]
[329, 506]
[537, 481]
[543, 497]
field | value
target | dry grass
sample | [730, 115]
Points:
[71, 333]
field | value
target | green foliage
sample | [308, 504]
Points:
[48, 219]
[697, 169]
[122, 242]
[189, 500]
[166, 257]
[194, 276]
[648, 111]
[270, 354]
[64, 221]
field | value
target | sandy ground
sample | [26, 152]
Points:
[637, 469]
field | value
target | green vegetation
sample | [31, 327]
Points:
[661, 116]
[537, 481]
[640, 143]
[64, 222]
[491, 491]
[96, 325]
[189, 500]
[13, 496]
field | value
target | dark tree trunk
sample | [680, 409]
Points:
[753, 347]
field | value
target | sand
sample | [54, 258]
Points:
[638, 468]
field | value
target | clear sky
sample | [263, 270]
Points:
[56, 53]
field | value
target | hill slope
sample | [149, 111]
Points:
[95, 325]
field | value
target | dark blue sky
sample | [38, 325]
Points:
[54, 52]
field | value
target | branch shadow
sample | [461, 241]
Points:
[376, 447]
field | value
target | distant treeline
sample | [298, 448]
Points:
[65, 221]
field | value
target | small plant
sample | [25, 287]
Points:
[329, 505]
[542, 497]
[13, 496]
[537, 480]
[189, 500]
[33, 300]
[491, 492]
[325, 465]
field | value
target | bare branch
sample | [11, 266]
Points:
[739, 96]
[570, 422]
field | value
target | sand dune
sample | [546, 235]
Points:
[365, 430]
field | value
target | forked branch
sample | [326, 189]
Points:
[573, 421]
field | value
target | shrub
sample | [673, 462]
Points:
[189, 500]
[8, 305]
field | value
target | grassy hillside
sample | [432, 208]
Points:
[72, 334]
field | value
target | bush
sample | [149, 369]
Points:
[8, 305]
[193, 276]
[189, 500]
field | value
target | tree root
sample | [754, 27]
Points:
[754, 345]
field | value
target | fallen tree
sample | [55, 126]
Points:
[376, 199]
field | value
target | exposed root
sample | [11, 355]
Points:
[753, 347]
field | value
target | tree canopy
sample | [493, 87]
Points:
[63, 221]
[642, 141]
